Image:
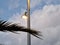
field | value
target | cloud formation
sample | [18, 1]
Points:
[47, 17]
[34, 3]
[47, 21]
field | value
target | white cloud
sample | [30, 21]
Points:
[48, 16]
[34, 3]
[41, 3]
[58, 43]
[9, 38]
[51, 1]
[47, 20]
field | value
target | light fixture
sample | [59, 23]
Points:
[25, 16]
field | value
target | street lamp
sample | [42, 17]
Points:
[24, 16]
[27, 16]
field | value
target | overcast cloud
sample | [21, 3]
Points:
[46, 20]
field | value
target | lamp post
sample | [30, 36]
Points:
[27, 16]
[28, 22]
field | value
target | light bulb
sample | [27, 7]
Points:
[24, 17]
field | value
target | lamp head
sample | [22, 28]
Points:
[25, 16]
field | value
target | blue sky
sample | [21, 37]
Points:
[10, 7]
[45, 17]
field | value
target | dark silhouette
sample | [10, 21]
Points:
[6, 26]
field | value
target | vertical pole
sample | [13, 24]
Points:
[28, 22]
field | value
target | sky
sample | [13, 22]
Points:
[45, 17]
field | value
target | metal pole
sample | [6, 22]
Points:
[28, 23]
